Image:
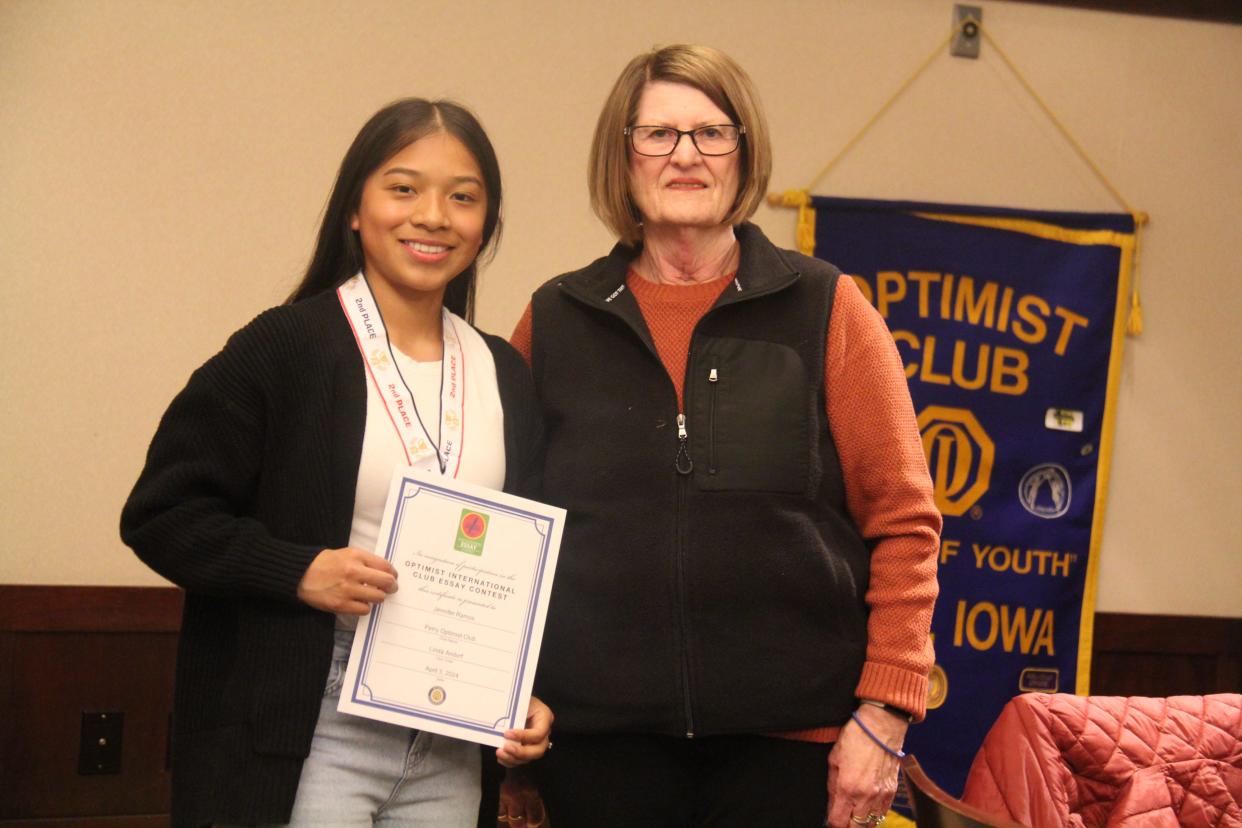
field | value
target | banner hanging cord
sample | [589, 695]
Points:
[928, 61]
[805, 232]
[1134, 321]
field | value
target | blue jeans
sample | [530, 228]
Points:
[362, 772]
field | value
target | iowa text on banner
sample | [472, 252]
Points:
[1010, 324]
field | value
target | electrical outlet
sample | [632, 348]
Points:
[100, 748]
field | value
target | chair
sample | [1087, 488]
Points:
[933, 808]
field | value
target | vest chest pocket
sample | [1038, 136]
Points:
[750, 406]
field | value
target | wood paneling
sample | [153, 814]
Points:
[128, 821]
[1165, 655]
[65, 650]
[89, 609]
[69, 650]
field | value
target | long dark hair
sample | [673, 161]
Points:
[338, 250]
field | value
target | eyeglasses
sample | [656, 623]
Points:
[655, 141]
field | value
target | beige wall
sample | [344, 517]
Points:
[163, 166]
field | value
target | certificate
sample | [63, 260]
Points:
[454, 650]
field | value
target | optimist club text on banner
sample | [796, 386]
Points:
[1008, 323]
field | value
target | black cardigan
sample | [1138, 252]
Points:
[250, 475]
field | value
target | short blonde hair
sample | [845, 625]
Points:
[717, 76]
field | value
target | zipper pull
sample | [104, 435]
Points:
[712, 378]
[683, 448]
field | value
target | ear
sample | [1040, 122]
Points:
[353, 222]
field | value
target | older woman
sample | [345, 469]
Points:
[745, 590]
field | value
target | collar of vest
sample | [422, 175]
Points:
[762, 269]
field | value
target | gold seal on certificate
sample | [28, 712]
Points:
[454, 650]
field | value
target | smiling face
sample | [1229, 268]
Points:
[684, 189]
[421, 218]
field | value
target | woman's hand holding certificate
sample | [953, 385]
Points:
[347, 580]
[527, 744]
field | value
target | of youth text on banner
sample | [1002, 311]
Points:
[1010, 325]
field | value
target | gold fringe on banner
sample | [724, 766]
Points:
[805, 233]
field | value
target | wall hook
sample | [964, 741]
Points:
[966, 23]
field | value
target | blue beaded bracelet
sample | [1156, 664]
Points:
[896, 754]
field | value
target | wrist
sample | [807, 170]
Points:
[895, 752]
[904, 715]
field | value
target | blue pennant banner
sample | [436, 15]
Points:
[1010, 324]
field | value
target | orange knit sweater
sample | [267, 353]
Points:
[887, 487]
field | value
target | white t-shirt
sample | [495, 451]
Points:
[483, 435]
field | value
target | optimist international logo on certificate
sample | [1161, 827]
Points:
[471, 532]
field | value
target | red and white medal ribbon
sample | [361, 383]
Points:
[421, 450]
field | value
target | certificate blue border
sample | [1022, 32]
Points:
[544, 525]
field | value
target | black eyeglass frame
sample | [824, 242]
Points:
[629, 133]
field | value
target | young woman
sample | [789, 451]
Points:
[265, 485]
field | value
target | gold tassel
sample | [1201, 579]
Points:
[804, 234]
[806, 229]
[1134, 323]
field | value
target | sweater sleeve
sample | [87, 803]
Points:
[889, 495]
[522, 335]
[189, 515]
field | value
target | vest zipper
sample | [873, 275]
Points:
[712, 378]
[684, 470]
[681, 601]
[682, 461]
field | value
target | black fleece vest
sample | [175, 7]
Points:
[709, 582]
